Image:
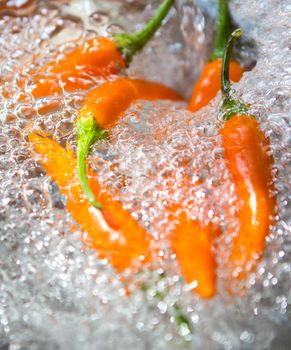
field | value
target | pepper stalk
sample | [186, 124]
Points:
[230, 106]
[88, 132]
[223, 28]
[181, 319]
[130, 44]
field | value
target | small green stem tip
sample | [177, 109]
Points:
[230, 106]
[88, 132]
[181, 319]
[129, 44]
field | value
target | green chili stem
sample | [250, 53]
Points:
[230, 106]
[225, 83]
[182, 321]
[223, 28]
[87, 133]
[129, 44]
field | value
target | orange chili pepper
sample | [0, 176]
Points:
[191, 242]
[208, 84]
[102, 108]
[112, 231]
[97, 57]
[246, 152]
[107, 102]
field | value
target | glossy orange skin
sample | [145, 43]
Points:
[208, 84]
[250, 165]
[108, 101]
[191, 242]
[112, 231]
[97, 57]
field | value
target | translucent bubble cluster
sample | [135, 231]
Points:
[54, 293]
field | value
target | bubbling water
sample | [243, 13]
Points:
[54, 294]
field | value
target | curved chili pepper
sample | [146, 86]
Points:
[208, 84]
[106, 102]
[191, 242]
[112, 231]
[102, 108]
[248, 159]
[97, 57]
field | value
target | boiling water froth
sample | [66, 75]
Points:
[56, 295]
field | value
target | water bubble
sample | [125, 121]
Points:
[99, 18]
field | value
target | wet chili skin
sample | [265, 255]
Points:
[107, 102]
[247, 155]
[97, 57]
[208, 84]
[249, 162]
[191, 242]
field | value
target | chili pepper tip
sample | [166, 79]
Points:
[237, 33]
